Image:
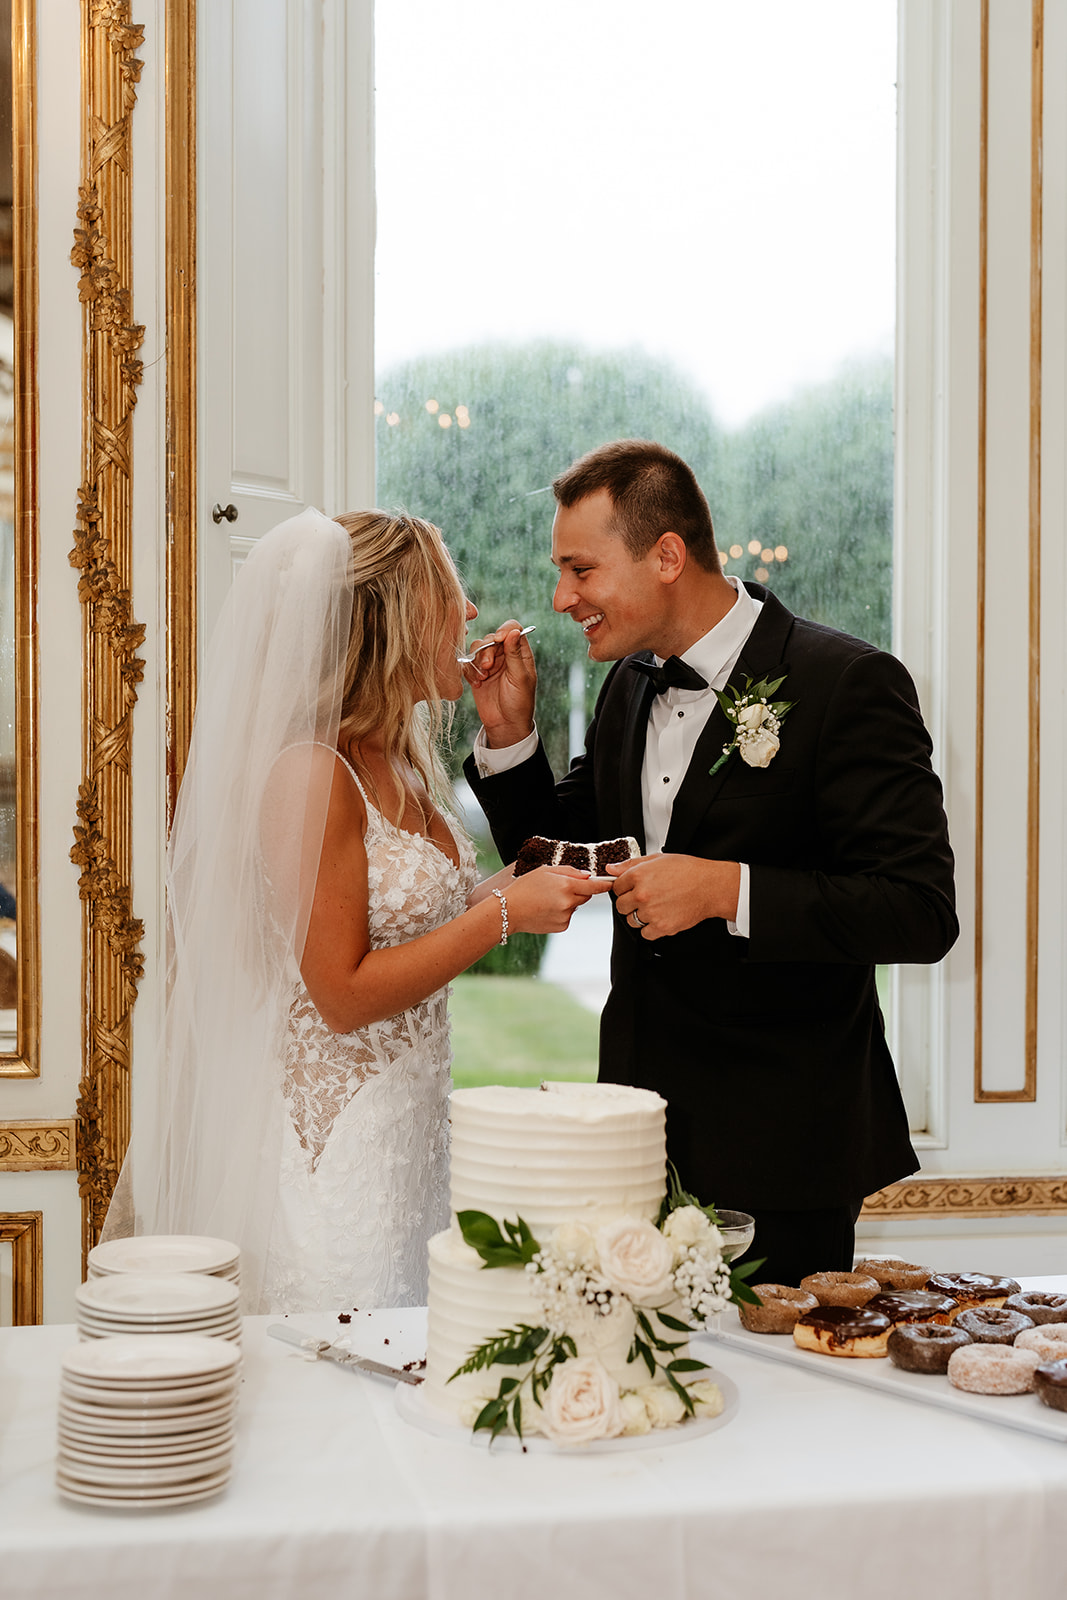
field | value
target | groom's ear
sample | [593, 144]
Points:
[671, 555]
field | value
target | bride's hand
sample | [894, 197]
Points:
[543, 901]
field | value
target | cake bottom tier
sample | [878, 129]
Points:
[469, 1303]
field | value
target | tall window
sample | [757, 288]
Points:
[598, 220]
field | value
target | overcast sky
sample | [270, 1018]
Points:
[712, 180]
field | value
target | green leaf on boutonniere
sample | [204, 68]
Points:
[512, 1248]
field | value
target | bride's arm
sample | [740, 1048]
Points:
[351, 984]
[499, 880]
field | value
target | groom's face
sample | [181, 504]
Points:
[616, 600]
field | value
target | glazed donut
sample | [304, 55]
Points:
[1050, 1381]
[992, 1325]
[779, 1309]
[843, 1331]
[892, 1273]
[993, 1369]
[1039, 1306]
[840, 1288]
[912, 1305]
[924, 1346]
[1049, 1342]
[972, 1288]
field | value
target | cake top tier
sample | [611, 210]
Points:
[568, 1152]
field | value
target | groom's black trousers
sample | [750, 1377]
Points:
[796, 1243]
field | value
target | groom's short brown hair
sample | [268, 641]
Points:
[653, 492]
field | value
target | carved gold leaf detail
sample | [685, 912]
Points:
[37, 1146]
[975, 1197]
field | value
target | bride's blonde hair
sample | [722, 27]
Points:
[408, 605]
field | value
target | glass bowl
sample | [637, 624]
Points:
[738, 1230]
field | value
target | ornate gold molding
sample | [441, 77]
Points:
[971, 1197]
[25, 1062]
[35, 1146]
[103, 554]
[24, 1232]
[180, 270]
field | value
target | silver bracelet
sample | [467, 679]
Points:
[503, 915]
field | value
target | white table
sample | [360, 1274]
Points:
[815, 1489]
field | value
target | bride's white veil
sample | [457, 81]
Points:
[208, 1120]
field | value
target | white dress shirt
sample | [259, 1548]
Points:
[675, 723]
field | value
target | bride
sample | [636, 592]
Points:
[320, 898]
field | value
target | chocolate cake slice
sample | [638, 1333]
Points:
[539, 852]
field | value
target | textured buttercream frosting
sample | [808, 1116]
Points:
[589, 1153]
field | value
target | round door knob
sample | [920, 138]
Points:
[224, 513]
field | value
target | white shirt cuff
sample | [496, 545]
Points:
[739, 927]
[490, 761]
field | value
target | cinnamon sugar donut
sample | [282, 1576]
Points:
[993, 1324]
[1050, 1381]
[1049, 1342]
[780, 1307]
[924, 1346]
[840, 1288]
[993, 1369]
[893, 1273]
[843, 1331]
[1039, 1306]
[970, 1289]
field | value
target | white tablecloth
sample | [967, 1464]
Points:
[814, 1489]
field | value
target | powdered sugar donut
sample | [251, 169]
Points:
[840, 1288]
[1049, 1342]
[993, 1368]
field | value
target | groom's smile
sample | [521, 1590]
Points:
[615, 600]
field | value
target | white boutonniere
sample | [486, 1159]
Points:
[757, 719]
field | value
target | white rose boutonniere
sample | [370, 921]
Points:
[757, 721]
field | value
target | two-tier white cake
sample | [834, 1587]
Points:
[567, 1153]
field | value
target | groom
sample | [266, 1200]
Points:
[746, 937]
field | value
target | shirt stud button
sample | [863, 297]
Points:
[666, 780]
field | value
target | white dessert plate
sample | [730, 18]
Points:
[412, 1406]
[165, 1252]
[148, 1400]
[213, 1411]
[139, 1297]
[128, 1425]
[89, 1455]
[138, 1476]
[158, 1499]
[162, 1357]
[207, 1324]
[152, 1451]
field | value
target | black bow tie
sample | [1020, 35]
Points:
[674, 674]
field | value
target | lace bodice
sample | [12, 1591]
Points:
[364, 1179]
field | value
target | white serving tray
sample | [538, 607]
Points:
[1024, 1412]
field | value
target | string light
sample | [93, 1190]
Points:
[754, 547]
[781, 553]
[432, 407]
[762, 574]
[736, 552]
[393, 418]
[444, 420]
[379, 407]
[766, 556]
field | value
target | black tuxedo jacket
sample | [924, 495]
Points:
[770, 1050]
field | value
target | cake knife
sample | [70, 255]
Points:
[344, 1358]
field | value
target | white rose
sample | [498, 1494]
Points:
[760, 751]
[582, 1403]
[752, 717]
[573, 1243]
[706, 1397]
[635, 1414]
[636, 1260]
[686, 1226]
[664, 1405]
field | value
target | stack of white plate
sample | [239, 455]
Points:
[177, 1302]
[147, 1421]
[157, 1253]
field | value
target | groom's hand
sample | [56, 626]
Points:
[503, 680]
[669, 893]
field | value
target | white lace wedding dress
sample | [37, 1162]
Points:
[364, 1170]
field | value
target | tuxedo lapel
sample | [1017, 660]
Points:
[632, 754]
[761, 656]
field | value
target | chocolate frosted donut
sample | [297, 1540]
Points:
[993, 1369]
[1039, 1306]
[992, 1324]
[972, 1288]
[840, 1288]
[924, 1346]
[892, 1273]
[1050, 1381]
[1049, 1342]
[912, 1305]
[843, 1331]
[780, 1308]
